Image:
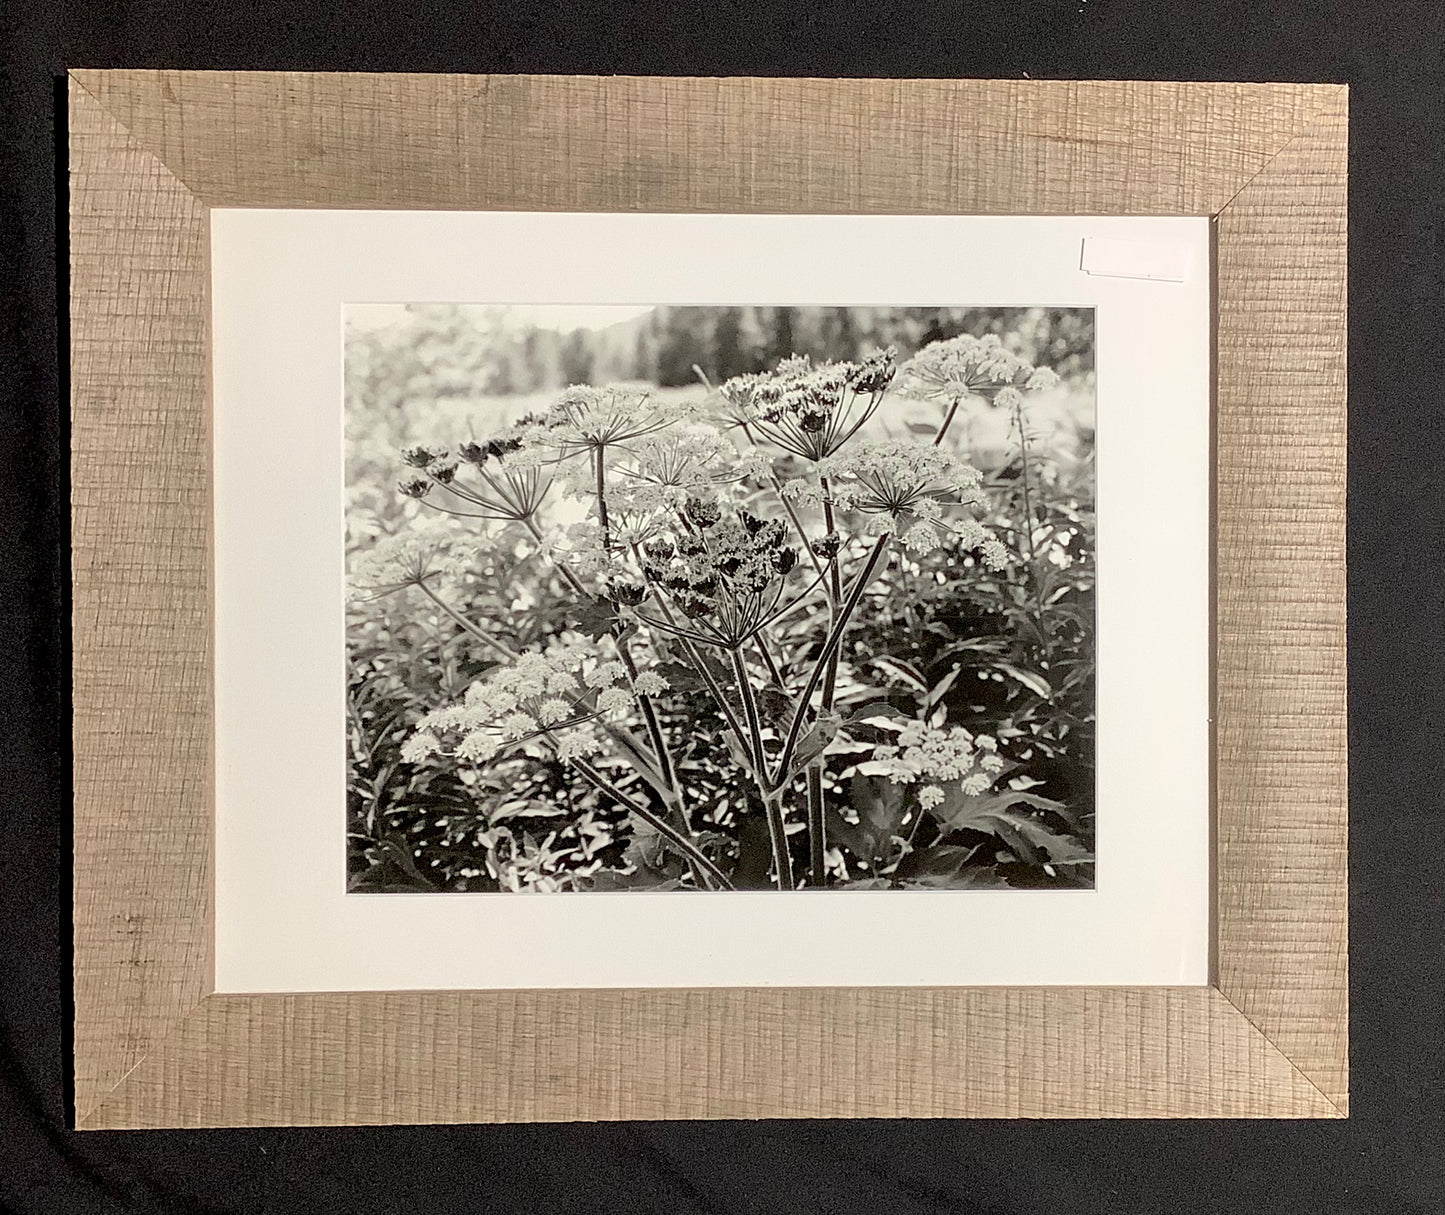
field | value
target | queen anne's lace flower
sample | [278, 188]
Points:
[420, 746]
[649, 683]
[810, 409]
[902, 486]
[583, 418]
[940, 757]
[897, 477]
[432, 548]
[576, 744]
[665, 469]
[613, 700]
[971, 366]
[552, 691]
[393, 562]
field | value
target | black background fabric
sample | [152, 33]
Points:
[1388, 1157]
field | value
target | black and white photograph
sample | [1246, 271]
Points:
[712, 598]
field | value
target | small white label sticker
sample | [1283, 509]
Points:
[1162, 259]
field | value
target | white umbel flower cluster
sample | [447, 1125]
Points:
[904, 486]
[971, 366]
[931, 758]
[552, 692]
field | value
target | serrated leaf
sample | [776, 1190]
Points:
[936, 693]
[960, 810]
[946, 867]
[595, 618]
[617, 880]
[1029, 836]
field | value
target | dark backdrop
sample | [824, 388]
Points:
[1389, 1157]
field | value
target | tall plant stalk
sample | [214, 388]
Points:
[772, 797]
[501, 651]
[830, 647]
[1018, 418]
[681, 841]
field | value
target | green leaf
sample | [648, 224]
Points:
[903, 670]
[1004, 827]
[400, 856]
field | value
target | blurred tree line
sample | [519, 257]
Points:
[447, 351]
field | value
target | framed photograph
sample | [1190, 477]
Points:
[633, 630]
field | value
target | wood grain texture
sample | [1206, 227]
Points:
[150, 151]
[1280, 574]
[141, 624]
[618, 143]
[724, 1053]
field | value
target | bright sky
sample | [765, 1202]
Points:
[544, 316]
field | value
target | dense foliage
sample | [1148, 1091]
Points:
[824, 624]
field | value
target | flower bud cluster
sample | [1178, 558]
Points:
[734, 557]
[505, 478]
[811, 409]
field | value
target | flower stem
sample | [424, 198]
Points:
[750, 711]
[666, 769]
[772, 798]
[699, 663]
[649, 716]
[486, 639]
[602, 498]
[1029, 520]
[835, 585]
[762, 647]
[778, 833]
[835, 638]
[661, 825]
[817, 830]
[798, 527]
[947, 421]
[568, 576]
[817, 834]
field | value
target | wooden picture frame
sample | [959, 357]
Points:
[152, 151]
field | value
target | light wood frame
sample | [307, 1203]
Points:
[152, 152]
